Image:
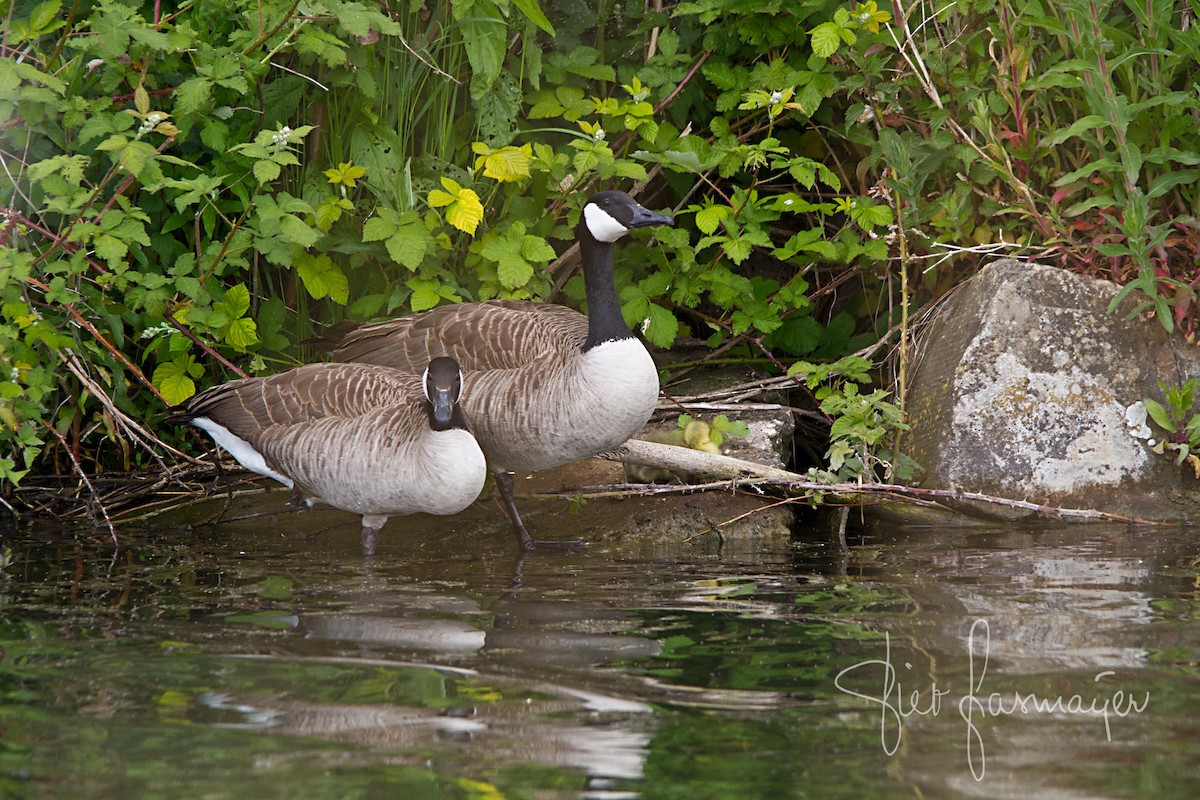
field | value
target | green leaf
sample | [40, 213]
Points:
[242, 333]
[237, 300]
[512, 251]
[266, 171]
[194, 94]
[43, 14]
[429, 293]
[173, 379]
[271, 316]
[298, 232]
[530, 9]
[738, 250]
[378, 228]
[709, 218]
[111, 249]
[1080, 126]
[484, 37]
[825, 39]
[661, 327]
[323, 278]
[409, 241]
[1165, 183]
[1159, 414]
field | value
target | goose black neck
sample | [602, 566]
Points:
[605, 323]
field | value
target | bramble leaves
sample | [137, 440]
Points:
[176, 379]
[515, 253]
[462, 207]
[323, 278]
[406, 238]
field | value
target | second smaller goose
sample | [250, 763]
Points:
[366, 439]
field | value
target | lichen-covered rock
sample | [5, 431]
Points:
[1025, 387]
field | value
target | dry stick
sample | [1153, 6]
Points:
[743, 515]
[90, 328]
[132, 429]
[83, 477]
[747, 473]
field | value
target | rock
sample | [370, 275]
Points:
[1025, 387]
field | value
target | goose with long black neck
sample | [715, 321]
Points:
[543, 384]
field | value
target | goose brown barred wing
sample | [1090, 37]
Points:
[497, 334]
[302, 395]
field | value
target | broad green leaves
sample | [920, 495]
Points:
[176, 379]
[515, 254]
[405, 236]
[323, 278]
[461, 205]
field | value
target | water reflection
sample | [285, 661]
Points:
[447, 666]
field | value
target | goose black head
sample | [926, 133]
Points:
[442, 383]
[609, 215]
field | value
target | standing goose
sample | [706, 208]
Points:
[544, 385]
[360, 438]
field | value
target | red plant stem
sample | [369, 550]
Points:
[58, 240]
[99, 337]
[1015, 77]
[186, 331]
[686, 80]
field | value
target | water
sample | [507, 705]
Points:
[262, 659]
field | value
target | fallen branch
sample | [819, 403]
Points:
[724, 472]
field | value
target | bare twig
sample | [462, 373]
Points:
[86, 482]
[725, 472]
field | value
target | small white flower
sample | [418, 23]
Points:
[156, 330]
[15, 375]
[789, 202]
[598, 135]
[776, 97]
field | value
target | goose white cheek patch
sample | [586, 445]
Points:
[602, 224]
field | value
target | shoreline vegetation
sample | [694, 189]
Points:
[189, 196]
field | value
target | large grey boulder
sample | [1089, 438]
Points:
[1025, 387]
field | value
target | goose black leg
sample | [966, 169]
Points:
[504, 482]
[370, 533]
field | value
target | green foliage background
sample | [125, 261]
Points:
[189, 192]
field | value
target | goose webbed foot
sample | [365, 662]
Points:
[532, 545]
[504, 481]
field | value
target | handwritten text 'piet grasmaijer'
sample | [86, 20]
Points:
[895, 705]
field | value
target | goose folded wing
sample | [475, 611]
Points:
[497, 334]
[302, 395]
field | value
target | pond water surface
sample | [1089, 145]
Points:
[254, 659]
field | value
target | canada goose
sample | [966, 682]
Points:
[544, 385]
[358, 437]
